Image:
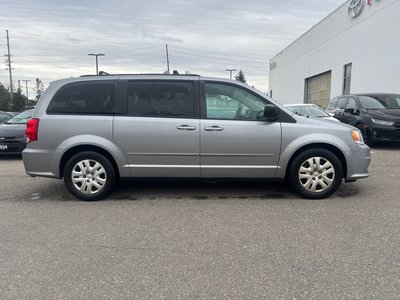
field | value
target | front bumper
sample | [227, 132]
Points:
[385, 133]
[358, 162]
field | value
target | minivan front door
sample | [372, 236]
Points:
[160, 133]
[234, 140]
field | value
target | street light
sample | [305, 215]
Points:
[230, 72]
[97, 63]
[26, 87]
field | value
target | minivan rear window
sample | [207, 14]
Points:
[84, 98]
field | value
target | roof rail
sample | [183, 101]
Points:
[102, 73]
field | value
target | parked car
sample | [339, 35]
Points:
[4, 116]
[377, 116]
[311, 110]
[94, 130]
[12, 133]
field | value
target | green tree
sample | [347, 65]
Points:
[4, 98]
[240, 77]
[39, 88]
[19, 101]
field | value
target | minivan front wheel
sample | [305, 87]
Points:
[316, 173]
[89, 176]
[366, 133]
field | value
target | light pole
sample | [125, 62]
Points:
[230, 72]
[97, 62]
[26, 88]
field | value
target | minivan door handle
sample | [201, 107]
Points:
[213, 128]
[186, 127]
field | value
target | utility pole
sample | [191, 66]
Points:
[166, 51]
[97, 62]
[230, 72]
[26, 88]
[8, 60]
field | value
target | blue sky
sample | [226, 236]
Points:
[52, 39]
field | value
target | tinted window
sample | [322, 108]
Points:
[161, 99]
[351, 104]
[332, 104]
[85, 98]
[341, 104]
[228, 102]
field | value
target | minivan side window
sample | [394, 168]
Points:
[227, 102]
[351, 104]
[332, 104]
[173, 99]
[84, 98]
[341, 104]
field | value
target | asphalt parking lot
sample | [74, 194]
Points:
[168, 240]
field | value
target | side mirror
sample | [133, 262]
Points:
[353, 111]
[271, 113]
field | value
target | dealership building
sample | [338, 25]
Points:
[355, 49]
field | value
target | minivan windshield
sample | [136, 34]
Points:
[21, 118]
[391, 101]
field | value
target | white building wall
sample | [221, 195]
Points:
[371, 42]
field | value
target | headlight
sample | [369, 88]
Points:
[382, 122]
[357, 136]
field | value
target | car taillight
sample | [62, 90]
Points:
[32, 130]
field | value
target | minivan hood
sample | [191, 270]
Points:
[322, 122]
[385, 113]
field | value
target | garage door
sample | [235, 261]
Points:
[318, 89]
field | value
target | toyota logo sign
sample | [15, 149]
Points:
[356, 7]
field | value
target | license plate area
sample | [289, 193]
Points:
[3, 147]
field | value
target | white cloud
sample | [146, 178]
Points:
[51, 40]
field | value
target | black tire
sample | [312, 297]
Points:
[316, 182]
[95, 184]
[366, 133]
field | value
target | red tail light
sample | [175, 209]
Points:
[31, 132]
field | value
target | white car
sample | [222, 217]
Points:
[311, 110]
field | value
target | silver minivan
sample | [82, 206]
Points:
[94, 130]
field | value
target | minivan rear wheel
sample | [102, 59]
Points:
[316, 173]
[89, 176]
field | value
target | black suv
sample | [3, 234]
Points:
[376, 115]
